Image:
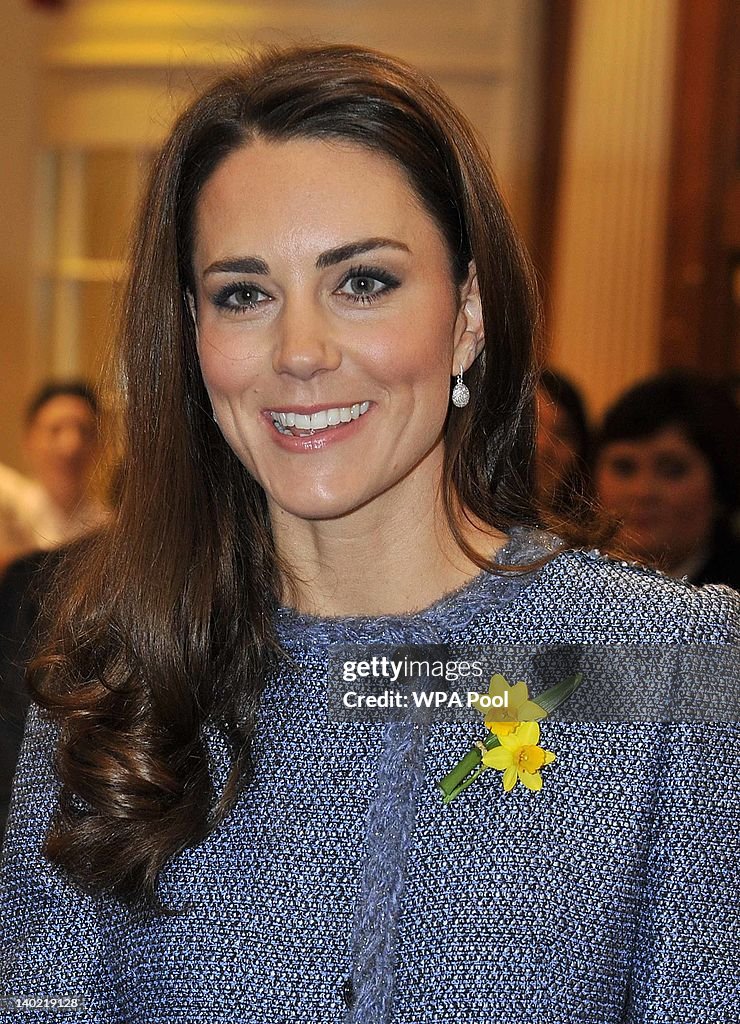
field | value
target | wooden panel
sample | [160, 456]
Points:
[557, 53]
[607, 275]
[699, 327]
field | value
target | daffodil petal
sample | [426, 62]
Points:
[528, 734]
[509, 778]
[498, 758]
[531, 712]
[532, 780]
[475, 703]
[549, 756]
[518, 694]
[498, 687]
[512, 740]
[501, 715]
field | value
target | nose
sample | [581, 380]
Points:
[305, 342]
[641, 486]
[71, 443]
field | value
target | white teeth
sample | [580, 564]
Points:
[318, 420]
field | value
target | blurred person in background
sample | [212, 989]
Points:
[563, 444]
[62, 446]
[668, 467]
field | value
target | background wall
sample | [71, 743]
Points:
[609, 248]
[22, 29]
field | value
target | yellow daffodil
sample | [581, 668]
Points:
[519, 757]
[506, 707]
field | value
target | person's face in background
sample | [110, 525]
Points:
[557, 446]
[662, 489]
[61, 446]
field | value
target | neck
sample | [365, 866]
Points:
[378, 560]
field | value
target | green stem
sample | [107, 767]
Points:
[457, 780]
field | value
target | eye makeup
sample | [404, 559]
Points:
[248, 291]
[367, 284]
[367, 275]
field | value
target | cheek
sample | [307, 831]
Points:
[694, 496]
[563, 454]
[416, 351]
[225, 366]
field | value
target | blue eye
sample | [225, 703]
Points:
[239, 296]
[366, 284]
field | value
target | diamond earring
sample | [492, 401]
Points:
[460, 392]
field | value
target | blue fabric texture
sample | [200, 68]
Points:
[609, 897]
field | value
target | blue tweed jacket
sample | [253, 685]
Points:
[340, 879]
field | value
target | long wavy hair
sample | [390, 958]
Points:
[165, 628]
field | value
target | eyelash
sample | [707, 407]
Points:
[221, 298]
[388, 280]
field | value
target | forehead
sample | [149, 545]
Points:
[61, 409]
[306, 195]
[668, 440]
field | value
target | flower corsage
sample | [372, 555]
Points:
[512, 743]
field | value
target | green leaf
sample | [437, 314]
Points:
[556, 695]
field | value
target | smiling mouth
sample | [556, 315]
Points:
[297, 424]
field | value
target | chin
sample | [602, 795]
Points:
[317, 506]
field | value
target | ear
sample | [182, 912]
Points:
[469, 332]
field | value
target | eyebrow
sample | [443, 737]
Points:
[256, 265]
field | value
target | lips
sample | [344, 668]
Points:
[301, 424]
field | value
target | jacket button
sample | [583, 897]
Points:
[348, 993]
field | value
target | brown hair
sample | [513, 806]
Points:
[166, 630]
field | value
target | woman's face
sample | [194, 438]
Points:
[662, 488]
[324, 289]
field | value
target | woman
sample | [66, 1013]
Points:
[669, 467]
[321, 237]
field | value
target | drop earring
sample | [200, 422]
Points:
[460, 392]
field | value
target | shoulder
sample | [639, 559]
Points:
[590, 595]
[661, 607]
